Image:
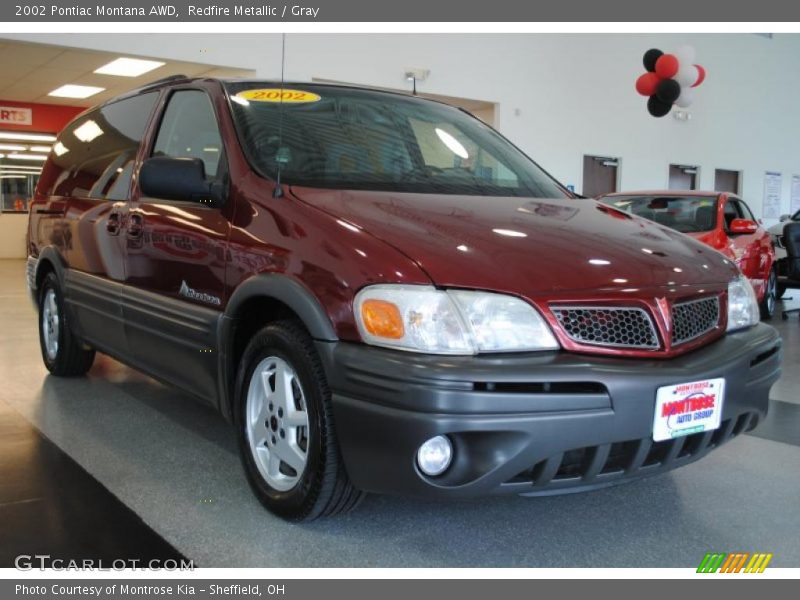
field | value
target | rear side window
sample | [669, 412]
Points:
[189, 130]
[687, 214]
[94, 156]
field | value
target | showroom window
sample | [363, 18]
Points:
[21, 158]
[94, 156]
[189, 130]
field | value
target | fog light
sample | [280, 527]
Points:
[434, 456]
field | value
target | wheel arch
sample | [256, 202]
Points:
[257, 301]
[49, 259]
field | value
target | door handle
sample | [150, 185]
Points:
[113, 224]
[135, 226]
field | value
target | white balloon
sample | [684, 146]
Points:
[686, 75]
[685, 55]
[686, 98]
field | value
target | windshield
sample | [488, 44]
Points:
[688, 214]
[336, 137]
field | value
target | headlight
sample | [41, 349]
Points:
[424, 319]
[742, 304]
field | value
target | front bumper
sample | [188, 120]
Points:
[533, 424]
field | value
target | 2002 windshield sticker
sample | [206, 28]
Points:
[278, 95]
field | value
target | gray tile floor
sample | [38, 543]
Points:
[174, 463]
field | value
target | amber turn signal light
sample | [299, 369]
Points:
[382, 319]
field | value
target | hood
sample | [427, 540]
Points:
[526, 246]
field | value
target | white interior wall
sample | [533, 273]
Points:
[558, 96]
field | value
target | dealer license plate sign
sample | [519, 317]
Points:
[688, 408]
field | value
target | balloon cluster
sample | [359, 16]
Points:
[669, 79]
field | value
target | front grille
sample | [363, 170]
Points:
[692, 319]
[621, 327]
[595, 464]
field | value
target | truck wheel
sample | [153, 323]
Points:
[770, 296]
[63, 352]
[284, 424]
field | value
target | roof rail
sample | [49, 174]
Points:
[163, 80]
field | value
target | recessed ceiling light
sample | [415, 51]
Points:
[27, 137]
[14, 147]
[129, 67]
[2, 155]
[10, 167]
[39, 148]
[72, 90]
[60, 149]
[599, 261]
[28, 156]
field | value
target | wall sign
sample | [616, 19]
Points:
[15, 115]
[795, 203]
[772, 195]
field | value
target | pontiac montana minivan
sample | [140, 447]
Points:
[382, 294]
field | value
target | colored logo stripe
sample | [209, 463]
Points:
[734, 562]
[758, 563]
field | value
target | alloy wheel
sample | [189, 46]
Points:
[277, 423]
[51, 322]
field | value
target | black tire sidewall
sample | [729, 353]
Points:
[275, 340]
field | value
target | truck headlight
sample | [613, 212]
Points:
[742, 304]
[423, 319]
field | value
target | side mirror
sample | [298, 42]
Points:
[785, 218]
[739, 226]
[179, 179]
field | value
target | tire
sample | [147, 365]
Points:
[771, 296]
[274, 427]
[63, 353]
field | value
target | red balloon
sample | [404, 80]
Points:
[701, 75]
[646, 84]
[667, 66]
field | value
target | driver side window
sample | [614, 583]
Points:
[189, 130]
[731, 212]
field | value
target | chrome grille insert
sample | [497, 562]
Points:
[692, 319]
[612, 326]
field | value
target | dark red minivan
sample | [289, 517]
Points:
[384, 295]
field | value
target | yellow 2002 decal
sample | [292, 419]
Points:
[279, 95]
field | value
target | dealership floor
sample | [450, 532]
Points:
[159, 473]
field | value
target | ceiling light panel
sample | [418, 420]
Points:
[27, 137]
[72, 90]
[129, 67]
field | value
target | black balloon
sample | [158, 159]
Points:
[658, 108]
[650, 58]
[668, 90]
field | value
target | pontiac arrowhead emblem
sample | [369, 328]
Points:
[666, 314]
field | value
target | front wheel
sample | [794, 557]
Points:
[63, 352]
[285, 427]
[771, 295]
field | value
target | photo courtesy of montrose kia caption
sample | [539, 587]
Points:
[382, 294]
